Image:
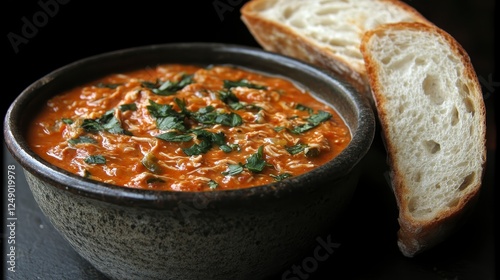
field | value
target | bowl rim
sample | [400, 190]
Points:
[359, 145]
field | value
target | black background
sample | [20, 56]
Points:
[79, 29]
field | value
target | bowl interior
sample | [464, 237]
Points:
[349, 104]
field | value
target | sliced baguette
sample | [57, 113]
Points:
[326, 33]
[432, 116]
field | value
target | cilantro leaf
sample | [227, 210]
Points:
[166, 117]
[67, 120]
[242, 83]
[312, 122]
[281, 177]
[228, 97]
[107, 122]
[212, 184]
[169, 87]
[198, 149]
[244, 106]
[233, 169]
[174, 137]
[128, 107]
[319, 117]
[295, 149]
[208, 115]
[304, 108]
[107, 85]
[81, 140]
[95, 159]
[256, 163]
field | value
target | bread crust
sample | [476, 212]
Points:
[276, 37]
[416, 236]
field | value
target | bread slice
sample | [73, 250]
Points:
[326, 33]
[432, 116]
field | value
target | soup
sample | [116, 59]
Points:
[188, 128]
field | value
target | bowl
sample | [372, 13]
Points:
[232, 234]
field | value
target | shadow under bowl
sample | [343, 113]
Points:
[233, 234]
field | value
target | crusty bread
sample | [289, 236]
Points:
[432, 116]
[326, 33]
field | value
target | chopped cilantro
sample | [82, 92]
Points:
[95, 159]
[166, 117]
[67, 121]
[107, 122]
[295, 149]
[212, 184]
[198, 149]
[226, 148]
[242, 83]
[174, 137]
[128, 107]
[279, 128]
[312, 122]
[256, 163]
[107, 85]
[304, 108]
[244, 106]
[208, 115]
[168, 87]
[81, 140]
[233, 169]
[319, 117]
[228, 97]
[281, 177]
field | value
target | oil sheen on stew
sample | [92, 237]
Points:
[188, 128]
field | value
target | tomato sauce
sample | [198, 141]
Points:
[188, 128]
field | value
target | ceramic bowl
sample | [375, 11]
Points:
[235, 234]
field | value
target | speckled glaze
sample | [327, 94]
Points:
[236, 234]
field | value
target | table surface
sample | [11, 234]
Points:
[367, 238]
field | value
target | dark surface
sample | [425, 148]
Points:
[367, 236]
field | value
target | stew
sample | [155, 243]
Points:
[188, 128]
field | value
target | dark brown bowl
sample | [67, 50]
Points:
[234, 234]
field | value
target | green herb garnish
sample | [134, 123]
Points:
[166, 117]
[128, 107]
[67, 121]
[233, 169]
[212, 184]
[242, 83]
[304, 108]
[95, 159]
[107, 122]
[296, 149]
[174, 137]
[256, 163]
[169, 87]
[281, 177]
[208, 115]
[81, 140]
[312, 122]
[107, 85]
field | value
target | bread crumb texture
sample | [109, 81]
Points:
[431, 116]
[334, 25]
